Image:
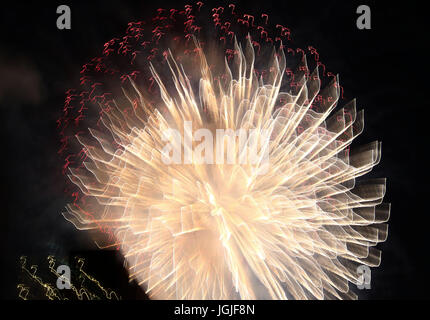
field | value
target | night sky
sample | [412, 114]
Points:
[384, 68]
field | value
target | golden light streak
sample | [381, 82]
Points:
[295, 227]
[80, 292]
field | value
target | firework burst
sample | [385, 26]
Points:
[294, 226]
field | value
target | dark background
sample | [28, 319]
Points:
[385, 68]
